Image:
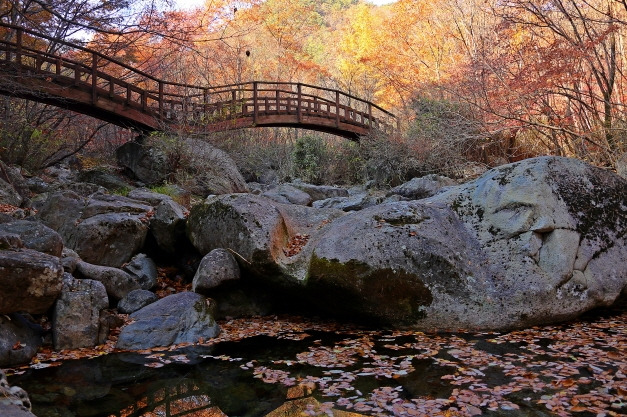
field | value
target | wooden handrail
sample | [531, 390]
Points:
[171, 102]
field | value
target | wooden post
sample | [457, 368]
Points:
[58, 66]
[370, 115]
[205, 104]
[233, 101]
[278, 100]
[94, 78]
[337, 108]
[255, 102]
[299, 104]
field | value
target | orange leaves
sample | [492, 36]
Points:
[296, 244]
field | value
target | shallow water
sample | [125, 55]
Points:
[576, 369]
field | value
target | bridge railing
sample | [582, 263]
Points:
[100, 76]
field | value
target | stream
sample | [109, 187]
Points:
[573, 369]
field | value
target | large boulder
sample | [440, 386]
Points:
[117, 282]
[34, 235]
[534, 242]
[273, 240]
[103, 229]
[76, 317]
[19, 340]
[168, 226]
[146, 163]
[403, 263]
[31, 281]
[8, 194]
[13, 187]
[423, 187]
[203, 168]
[179, 318]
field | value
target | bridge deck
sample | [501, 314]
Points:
[89, 82]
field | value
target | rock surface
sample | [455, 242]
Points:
[320, 192]
[168, 226]
[136, 300]
[147, 164]
[103, 229]
[76, 317]
[19, 340]
[288, 194]
[143, 269]
[34, 235]
[14, 401]
[216, 267]
[30, 281]
[539, 241]
[273, 240]
[117, 283]
[178, 318]
[423, 187]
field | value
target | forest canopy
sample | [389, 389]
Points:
[493, 81]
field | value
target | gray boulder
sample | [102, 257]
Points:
[117, 283]
[320, 192]
[216, 267]
[136, 300]
[287, 194]
[146, 163]
[76, 317]
[403, 263]
[34, 235]
[273, 240]
[104, 179]
[423, 187]
[534, 242]
[19, 340]
[207, 170]
[168, 226]
[8, 195]
[354, 202]
[103, 229]
[31, 281]
[151, 197]
[178, 318]
[143, 269]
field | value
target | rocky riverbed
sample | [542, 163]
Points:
[532, 243]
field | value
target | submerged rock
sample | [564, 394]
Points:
[178, 318]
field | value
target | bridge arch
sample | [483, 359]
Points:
[89, 82]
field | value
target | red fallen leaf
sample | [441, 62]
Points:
[18, 345]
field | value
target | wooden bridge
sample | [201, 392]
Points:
[89, 82]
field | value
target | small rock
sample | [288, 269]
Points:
[118, 283]
[178, 318]
[143, 269]
[423, 187]
[136, 300]
[288, 194]
[216, 267]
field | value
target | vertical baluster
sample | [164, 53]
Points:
[299, 104]
[161, 100]
[255, 102]
[337, 108]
